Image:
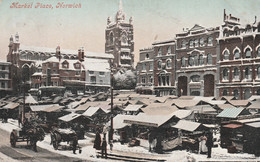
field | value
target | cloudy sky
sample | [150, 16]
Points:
[74, 28]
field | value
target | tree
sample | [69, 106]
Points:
[125, 79]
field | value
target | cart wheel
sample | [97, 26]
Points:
[12, 140]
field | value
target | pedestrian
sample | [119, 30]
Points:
[104, 147]
[97, 141]
[74, 144]
[111, 145]
[209, 143]
[150, 139]
[202, 144]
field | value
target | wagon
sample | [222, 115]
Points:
[30, 135]
[63, 135]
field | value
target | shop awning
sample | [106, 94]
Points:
[233, 126]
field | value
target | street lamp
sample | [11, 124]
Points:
[111, 89]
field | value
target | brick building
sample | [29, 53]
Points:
[144, 69]
[164, 68]
[5, 78]
[120, 40]
[196, 58]
[239, 62]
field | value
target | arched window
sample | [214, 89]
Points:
[159, 51]
[191, 43]
[235, 93]
[196, 60]
[202, 42]
[247, 73]
[225, 92]
[226, 55]
[236, 73]
[144, 66]
[258, 72]
[258, 52]
[247, 94]
[183, 44]
[201, 60]
[209, 59]
[210, 41]
[183, 61]
[195, 78]
[248, 53]
[258, 92]
[159, 64]
[196, 42]
[225, 74]
[191, 60]
[236, 54]
[169, 50]
[111, 38]
[168, 64]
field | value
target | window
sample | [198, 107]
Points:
[169, 50]
[225, 74]
[202, 42]
[195, 78]
[201, 60]
[2, 85]
[159, 51]
[168, 64]
[210, 41]
[124, 40]
[143, 67]
[93, 79]
[147, 56]
[226, 55]
[151, 66]
[151, 79]
[101, 73]
[258, 72]
[183, 61]
[65, 65]
[237, 54]
[143, 79]
[77, 72]
[247, 94]
[209, 59]
[183, 44]
[248, 53]
[191, 61]
[235, 92]
[196, 42]
[247, 73]
[111, 38]
[225, 92]
[91, 72]
[191, 44]
[3, 67]
[196, 60]
[77, 66]
[258, 52]
[236, 73]
[159, 64]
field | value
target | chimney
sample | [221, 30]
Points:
[58, 55]
[224, 15]
[81, 54]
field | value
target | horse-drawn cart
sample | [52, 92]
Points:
[30, 135]
[64, 135]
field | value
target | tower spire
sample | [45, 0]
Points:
[120, 5]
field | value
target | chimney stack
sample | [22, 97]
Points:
[81, 54]
[58, 55]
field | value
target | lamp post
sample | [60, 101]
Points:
[111, 89]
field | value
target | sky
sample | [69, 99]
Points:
[85, 27]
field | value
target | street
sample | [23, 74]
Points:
[23, 153]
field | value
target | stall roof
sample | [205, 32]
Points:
[53, 108]
[69, 117]
[217, 102]
[41, 107]
[233, 126]
[30, 100]
[201, 98]
[84, 100]
[247, 120]
[86, 106]
[202, 109]
[254, 105]
[73, 105]
[149, 120]
[11, 105]
[185, 103]
[225, 106]
[92, 110]
[186, 97]
[187, 125]
[227, 98]
[181, 114]
[159, 109]
[119, 121]
[133, 108]
[255, 124]
[230, 113]
[237, 103]
[254, 97]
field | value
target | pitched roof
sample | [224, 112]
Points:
[53, 108]
[42, 107]
[159, 109]
[133, 108]
[30, 100]
[254, 97]
[187, 125]
[181, 114]
[202, 108]
[119, 121]
[11, 105]
[254, 105]
[230, 113]
[92, 110]
[237, 103]
[224, 106]
[185, 103]
[255, 124]
[86, 106]
[69, 117]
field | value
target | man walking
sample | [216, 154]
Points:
[74, 144]
[209, 143]
[104, 147]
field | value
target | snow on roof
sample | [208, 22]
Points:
[237, 103]
[30, 100]
[74, 104]
[92, 110]
[11, 105]
[254, 105]
[255, 124]
[224, 106]
[119, 121]
[181, 114]
[185, 103]
[37, 74]
[187, 125]
[159, 109]
[149, 120]
[40, 107]
[230, 113]
[202, 108]
[69, 117]
[93, 64]
[133, 108]
[53, 108]
[254, 97]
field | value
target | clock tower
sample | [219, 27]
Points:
[120, 40]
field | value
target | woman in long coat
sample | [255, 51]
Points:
[97, 142]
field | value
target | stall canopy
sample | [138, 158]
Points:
[255, 124]
[255, 105]
[230, 113]
[30, 100]
[186, 103]
[54, 108]
[11, 105]
[202, 109]
[133, 108]
[93, 110]
[119, 121]
[187, 125]
[238, 103]
[69, 117]
[40, 107]
[159, 109]
[233, 126]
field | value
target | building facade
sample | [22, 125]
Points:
[239, 58]
[164, 68]
[144, 69]
[119, 37]
[5, 78]
[196, 59]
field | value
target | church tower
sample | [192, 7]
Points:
[120, 39]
